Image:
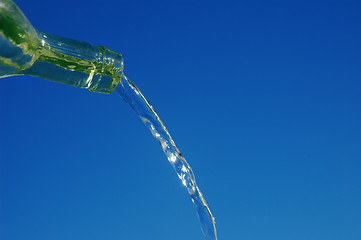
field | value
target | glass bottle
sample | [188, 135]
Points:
[25, 50]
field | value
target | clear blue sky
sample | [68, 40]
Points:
[263, 98]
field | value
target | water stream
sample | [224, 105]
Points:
[131, 94]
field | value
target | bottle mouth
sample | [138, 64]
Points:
[108, 72]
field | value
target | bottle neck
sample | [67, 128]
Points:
[76, 63]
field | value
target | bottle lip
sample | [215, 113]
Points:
[111, 70]
[105, 83]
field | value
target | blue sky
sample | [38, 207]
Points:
[261, 97]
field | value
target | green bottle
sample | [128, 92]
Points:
[25, 50]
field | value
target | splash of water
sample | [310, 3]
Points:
[131, 94]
